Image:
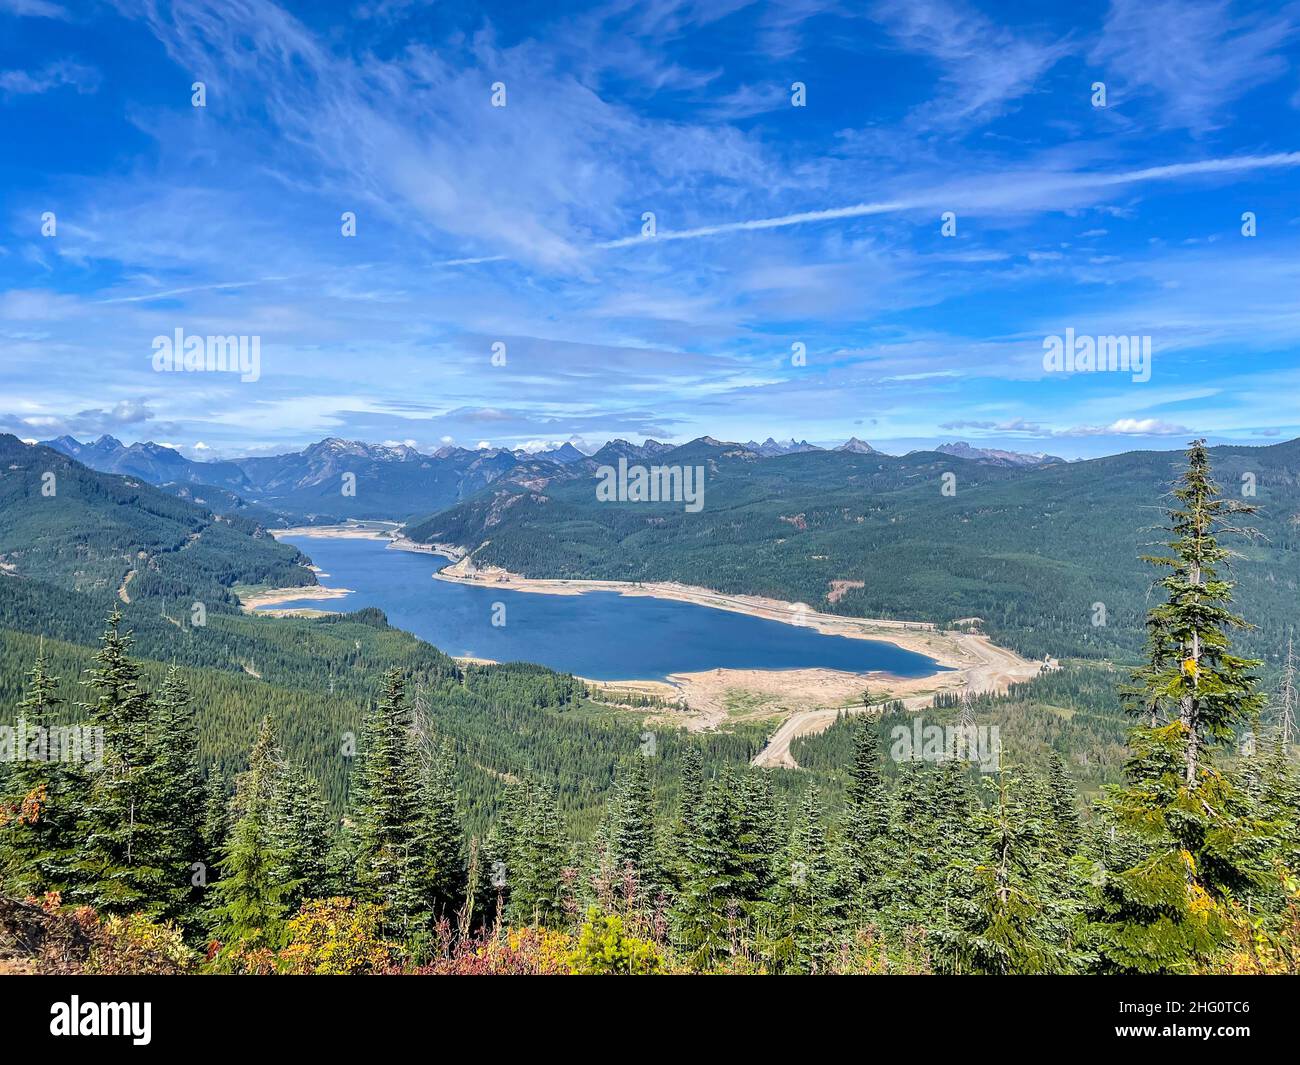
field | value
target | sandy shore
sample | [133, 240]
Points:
[271, 596]
[377, 530]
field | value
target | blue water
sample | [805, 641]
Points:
[602, 635]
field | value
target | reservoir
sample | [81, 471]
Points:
[601, 635]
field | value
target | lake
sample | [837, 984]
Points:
[601, 635]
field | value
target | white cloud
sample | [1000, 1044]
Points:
[1196, 56]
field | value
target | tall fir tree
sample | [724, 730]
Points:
[1201, 849]
[758, 839]
[441, 840]
[1066, 828]
[535, 860]
[709, 908]
[176, 796]
[250, 898]
[120, 866]
[864, 826]
[800, 919]
[387, 814]
[41, 795]
[1002, 921]
[301, 835]
[631, 856]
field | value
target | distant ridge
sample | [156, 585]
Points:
[769, 447]
[995, 456]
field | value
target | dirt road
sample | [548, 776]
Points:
[992, 669]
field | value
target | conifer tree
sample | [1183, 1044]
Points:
[1064, 807]
[686, 825]
[934, 834]
[758, 839]
[216, 825]
[300, 834]
[1201, 849]
[176, 794]
[709, 905]
[1277, 805]
[1002, 924]
[250, 898]
[630, 843]
[441, 841]
[536, 861]
[801, 912]
[120, 867]
[387, 814]
[864, 826]
[40, 797]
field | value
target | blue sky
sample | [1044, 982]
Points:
[776, 225]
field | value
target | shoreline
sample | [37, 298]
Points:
[919, 636]
[255, 600]
[802, 701]
[798, 701]
[362, 531]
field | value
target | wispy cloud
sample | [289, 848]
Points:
[48, 78]
[33, 9]
[983, 66]
[1196, 56]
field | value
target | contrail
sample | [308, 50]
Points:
[948, 197]
[148, 296]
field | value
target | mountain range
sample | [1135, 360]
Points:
[395, 481]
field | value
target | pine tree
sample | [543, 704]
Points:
[387, 814]
[216, 824]
[40, 797]
[441, 842]
[1064, 807]
[250, 898]
[1277, 805]
[1192, 676]
[1002, 923]
[300, 833]
[801, 912]
[685, 826]
[864, 826]
[934, 833]
[709, 909]
[1201, 849]
[175, 794]
[120, 866]
[630, 843]
[758, 839]
[535, 862]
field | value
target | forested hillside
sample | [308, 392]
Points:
[114, 536]
[1030, 551]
